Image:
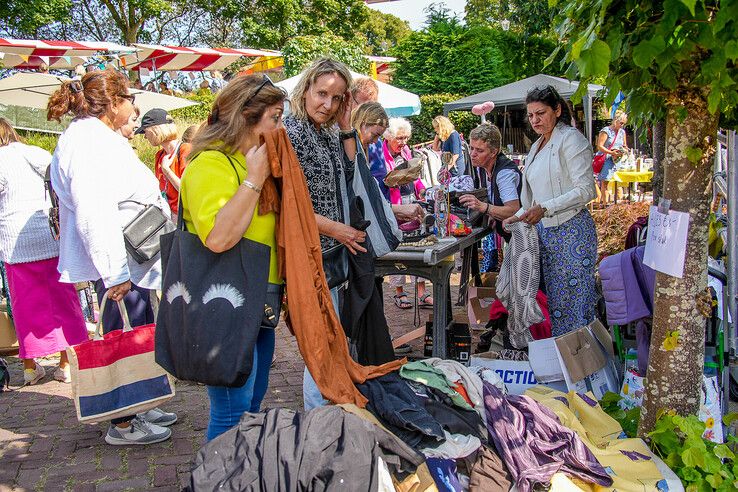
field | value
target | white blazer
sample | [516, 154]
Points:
[559, 178]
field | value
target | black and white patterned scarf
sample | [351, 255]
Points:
[321, 157]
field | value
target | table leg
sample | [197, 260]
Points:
[441, 307]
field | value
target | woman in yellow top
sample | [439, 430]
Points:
[220, 205]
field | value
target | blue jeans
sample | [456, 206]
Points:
[228, 404]
[311, 397]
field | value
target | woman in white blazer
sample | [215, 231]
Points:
[557, 186]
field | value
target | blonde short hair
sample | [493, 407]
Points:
[366, 86]
[162, 133]
[320, 67]
[8, 134]
[369, 113]
[443, 127]
[621, 116]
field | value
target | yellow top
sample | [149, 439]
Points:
[207, 184]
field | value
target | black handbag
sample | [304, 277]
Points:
[141, 235]
[212, 307]
[335, 265]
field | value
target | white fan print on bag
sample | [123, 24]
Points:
[224, 291]
[176, 290]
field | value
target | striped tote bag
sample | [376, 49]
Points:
[115, 375]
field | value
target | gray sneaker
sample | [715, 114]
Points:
[139, 432]
[159, 417]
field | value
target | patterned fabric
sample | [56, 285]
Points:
[321, 159]
[568, 257]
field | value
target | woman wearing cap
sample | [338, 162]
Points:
[171, 159]
[101, 184]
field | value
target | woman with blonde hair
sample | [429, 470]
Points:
[171, 159]
[220, 194]
[612, 142]
[102, 185]
[448, 140]
[47, 313]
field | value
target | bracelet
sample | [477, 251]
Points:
[344, 135]
[486, 211]
[249, 184]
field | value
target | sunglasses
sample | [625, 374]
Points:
[130, 97]
[264, 82]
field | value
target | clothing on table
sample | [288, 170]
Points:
[207, 186]
[177, 165]
[534, 445]
[569, 256]
[46, 313]
[227, 405]
[452, 419]
[559, 177]
[326, 449]
[138, 306]
[97, 177]
[426, 374]
[627, 461]
[314, 322]
[24, 206]
[453, 144]
[319, 153]
[453, 447]
[538, 331]
[457, 372]
[518, 282]
[400, 410]
[504, 185]
[488, 473]
[444, 472]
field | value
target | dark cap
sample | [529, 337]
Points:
[154, 117]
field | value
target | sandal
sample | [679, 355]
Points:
[423, 301]
[401, 301]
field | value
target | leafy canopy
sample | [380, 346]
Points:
[653, 51]
[300, 51]
[529, 17]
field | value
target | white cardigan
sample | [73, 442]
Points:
[559, 178]
[93, 171]
[24, 225]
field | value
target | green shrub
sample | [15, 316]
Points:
[432, 106]
[300, 51]
[194, 114]
[46, 141]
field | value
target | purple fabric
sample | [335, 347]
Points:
[534, 445]
[627, 285]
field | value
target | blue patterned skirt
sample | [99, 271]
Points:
[568, 258]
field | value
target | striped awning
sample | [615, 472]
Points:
[170, 58]
[31, 54]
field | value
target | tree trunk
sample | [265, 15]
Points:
[659, 148]
[678, 340]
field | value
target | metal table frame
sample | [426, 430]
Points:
[435, 264]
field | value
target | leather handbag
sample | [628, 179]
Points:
[598, 161]
[335, 265]
[141, 235]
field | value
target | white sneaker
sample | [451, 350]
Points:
[63, 375]
[159, 417]
[139, 432]
[33, 376]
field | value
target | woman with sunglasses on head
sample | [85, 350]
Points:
[220, 194]
[102, 185]
[557, 186]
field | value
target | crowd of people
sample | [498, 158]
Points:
[212, 178]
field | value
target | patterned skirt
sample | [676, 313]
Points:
[568, 258]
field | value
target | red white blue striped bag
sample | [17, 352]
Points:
[115, 375]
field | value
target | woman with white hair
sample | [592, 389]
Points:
[396, 152]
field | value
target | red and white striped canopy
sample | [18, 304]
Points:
[31, 54]
[165, 58]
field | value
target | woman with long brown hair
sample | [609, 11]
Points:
[220, 194]
[102, 185]
[46, 312]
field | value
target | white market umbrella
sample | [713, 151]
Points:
[395, 101]
[32, 90]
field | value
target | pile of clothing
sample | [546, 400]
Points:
[432, 425]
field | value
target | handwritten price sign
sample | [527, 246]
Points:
[666, 243]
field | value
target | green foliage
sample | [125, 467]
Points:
[529, 17]
[699, 463]
[195, 114]
[628, 420]
[449, 57]
[432, 106]
[26, 17]
[300, 51]
[653, 51]
[46, 141]
[383, 31]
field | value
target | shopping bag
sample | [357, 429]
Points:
[115, 375]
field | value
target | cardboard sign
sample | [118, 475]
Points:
[666, 244]
[518, 376]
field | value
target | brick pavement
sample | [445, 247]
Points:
[44, 447]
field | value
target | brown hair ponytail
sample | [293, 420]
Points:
[90, 96]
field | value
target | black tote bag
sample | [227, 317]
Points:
[211, 309]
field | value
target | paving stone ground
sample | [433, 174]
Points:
[44, 447]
